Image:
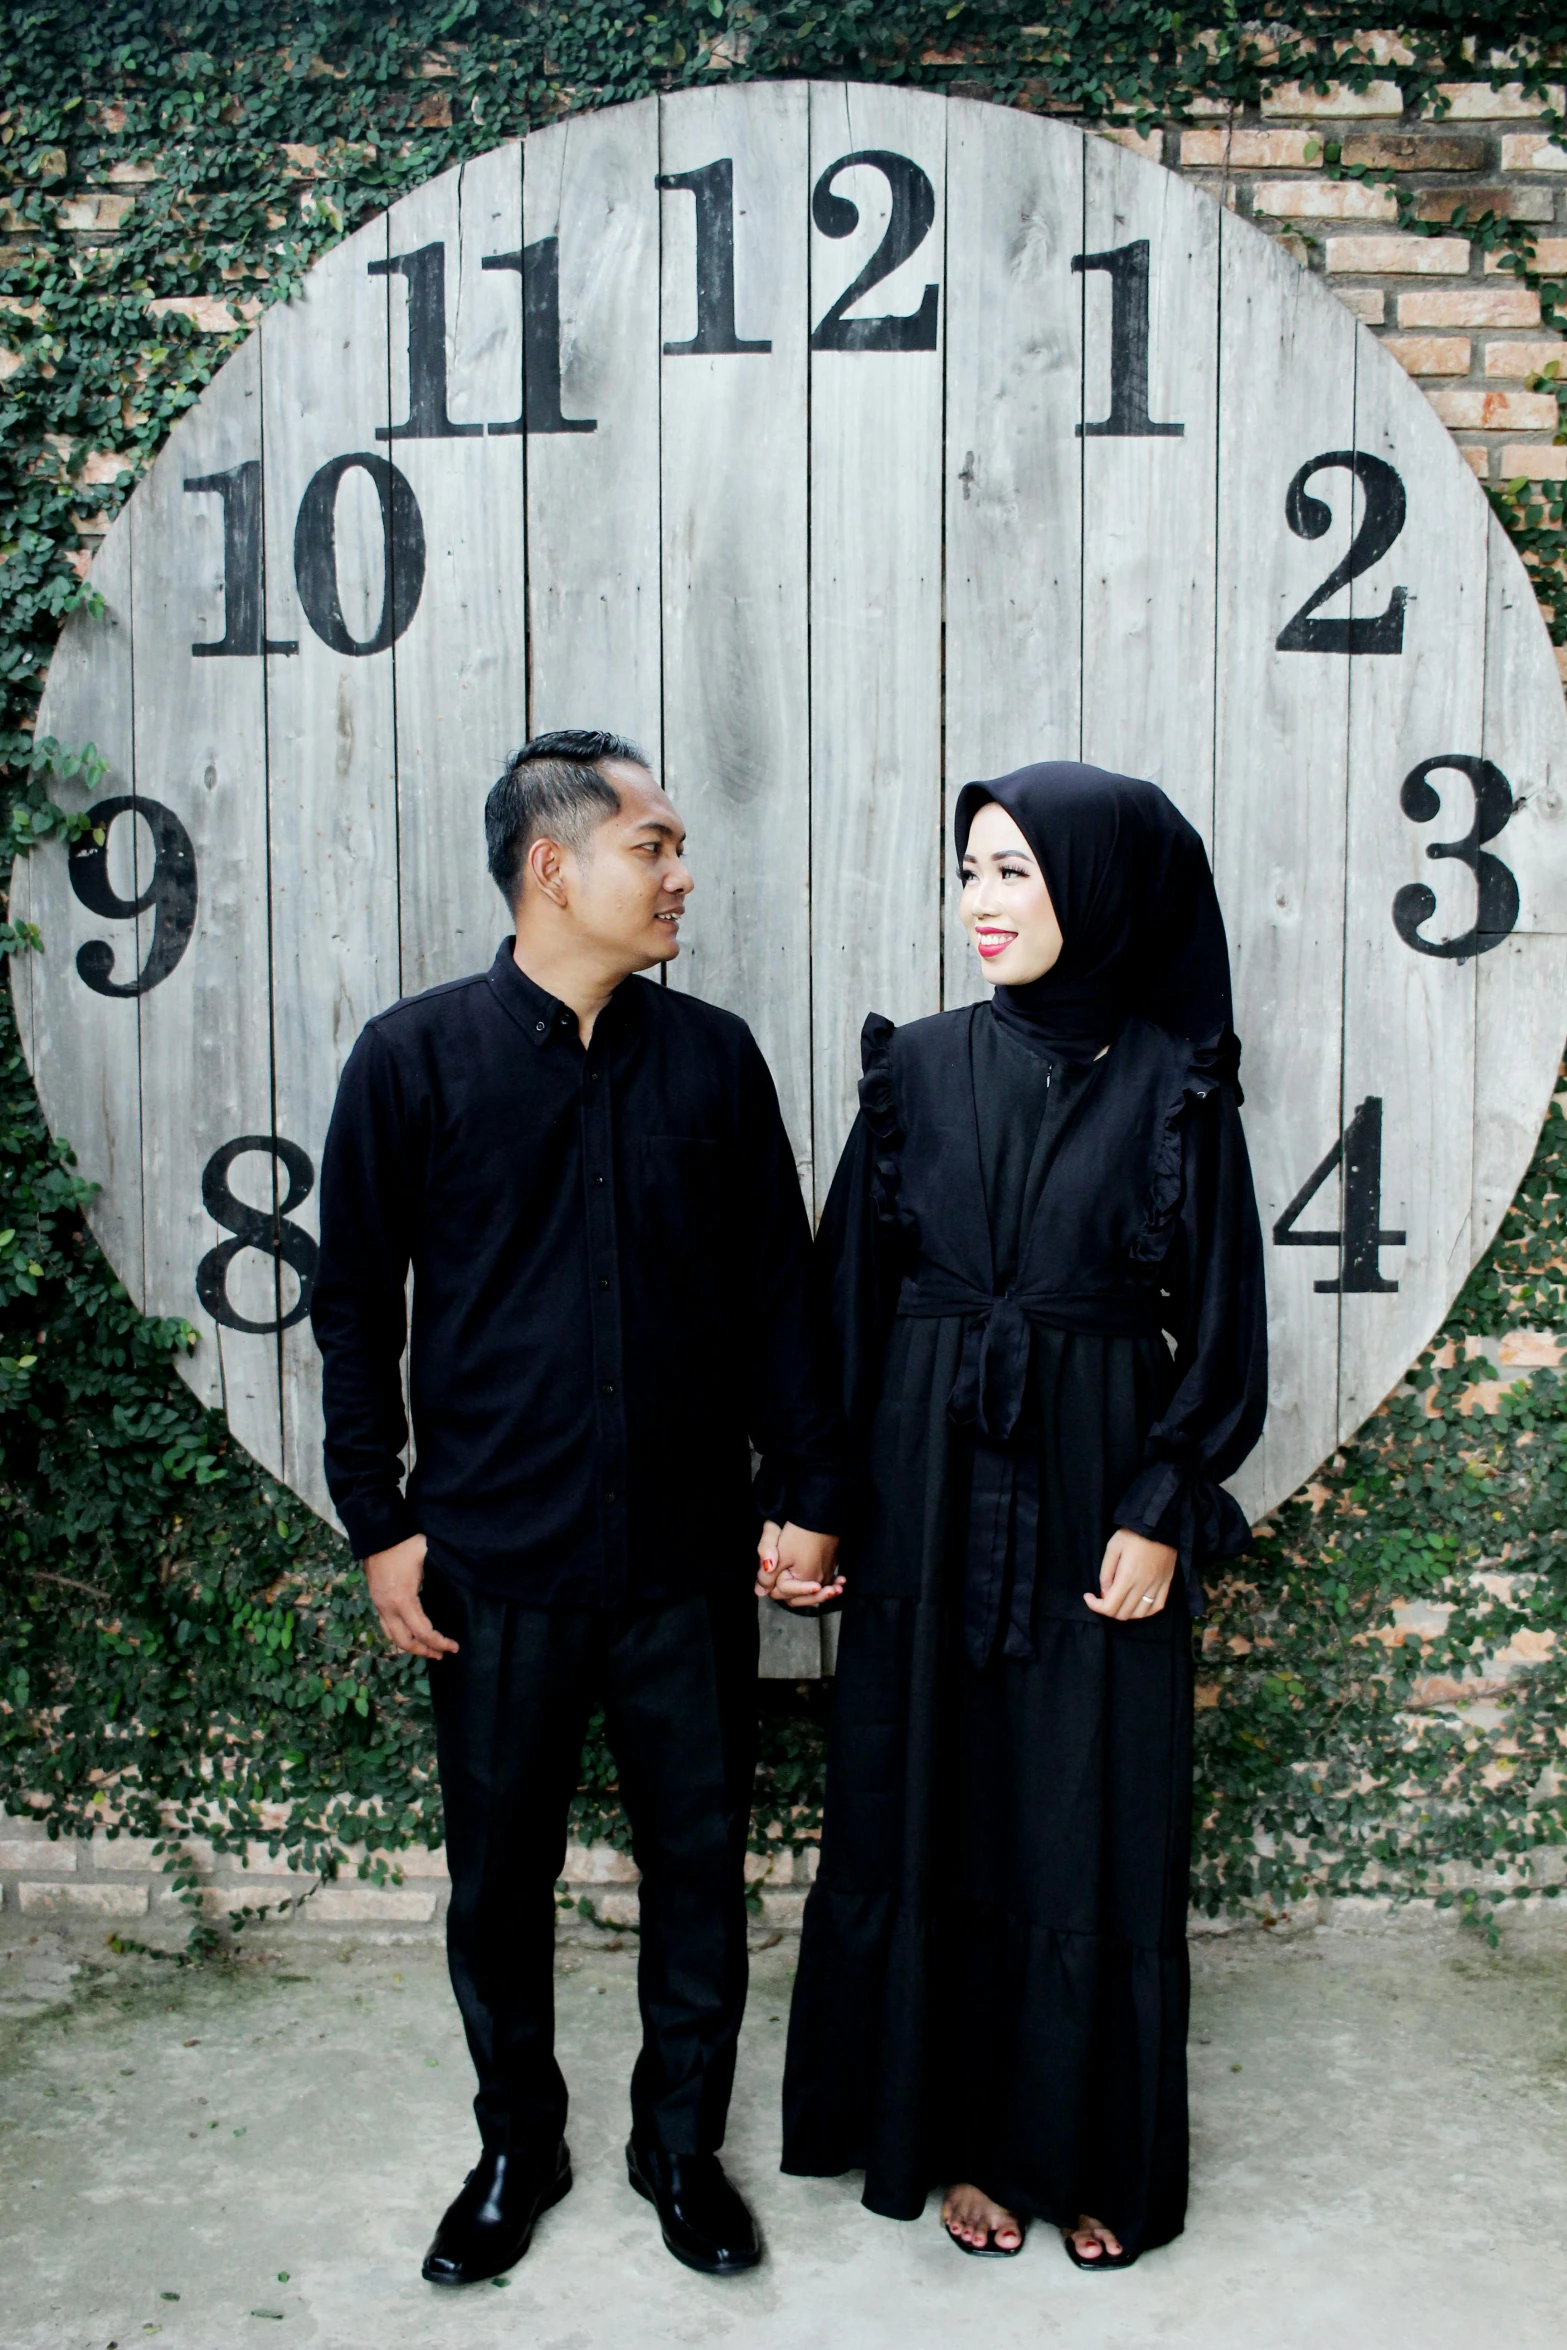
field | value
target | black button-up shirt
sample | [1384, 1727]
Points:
[609, 1255]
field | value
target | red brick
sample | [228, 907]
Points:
[1469, 306]
[1482, 411]
[1516, 362]
[1508, 203]
[1324, 200]
[1338, 102]
[1414, 151]
[1253, 150]
[1430, 354]
[1398, 256]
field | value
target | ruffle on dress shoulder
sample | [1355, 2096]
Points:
[879, 1107]
[1209, 1066]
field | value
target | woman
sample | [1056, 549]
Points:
[993, 1984]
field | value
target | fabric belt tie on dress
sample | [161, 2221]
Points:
[988, 1398]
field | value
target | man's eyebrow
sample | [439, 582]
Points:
[663, 831]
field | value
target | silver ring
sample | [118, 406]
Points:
[1146, 1600]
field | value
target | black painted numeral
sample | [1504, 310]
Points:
[913, 211]
[402, 550]
[1359, 1149]
[1308, 518]
[1496, 891]
[170, 891]
[427, 420]
[240, 490]
[1126, 266]
[539, 267]
[713, 187]
[258, 1228]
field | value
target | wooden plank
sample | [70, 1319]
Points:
[876, 559]
[1286, 393]
[1149, 518]
[1014, 465]
[1521, 986]
[331, 769]
[461, 671]
[735, 570]
[200, 724]
[1526, 737]
[84, 1047]
[593, 526]
[1520, 992]
[1409, 1017]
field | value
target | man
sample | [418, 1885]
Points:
[590, 1179]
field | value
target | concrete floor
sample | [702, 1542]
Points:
[1380, 2159]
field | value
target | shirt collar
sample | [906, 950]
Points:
[544, 1018]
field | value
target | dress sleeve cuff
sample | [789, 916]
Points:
[1192, 1512]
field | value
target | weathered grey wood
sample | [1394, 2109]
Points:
[1520, 986]
[876, 455]
[331, 767]
[1014, 465]
[736, 652]
[1148, 501]
[1115, 595]
[593, 521]
[1526, 736]
[83, 1047]
[1408, 1017]
[1286, 392]
[462, 669]
[206, 1071]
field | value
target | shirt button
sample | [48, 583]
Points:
[603, 1281]
[539, 1027]
[598, 1182]
[611, 1496]
[609, 1387]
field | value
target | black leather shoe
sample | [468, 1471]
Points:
[705, 2223]
[490, 2226]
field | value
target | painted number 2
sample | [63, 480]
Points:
[1383, 519]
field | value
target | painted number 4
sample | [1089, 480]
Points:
[1359, 1151]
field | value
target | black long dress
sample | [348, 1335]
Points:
[993, 1977]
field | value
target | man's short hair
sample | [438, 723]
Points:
[554, 788]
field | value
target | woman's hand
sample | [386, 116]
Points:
[1134, 1577]
[797, 1567]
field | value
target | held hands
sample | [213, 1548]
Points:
[796, 1566]
[394, 1577]
[1134, 1577]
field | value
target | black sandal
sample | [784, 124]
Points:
[1122, 2259]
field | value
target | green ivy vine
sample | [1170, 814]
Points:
[183, 1644]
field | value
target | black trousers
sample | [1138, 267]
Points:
[677, 1681]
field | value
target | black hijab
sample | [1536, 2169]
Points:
[1132, 889]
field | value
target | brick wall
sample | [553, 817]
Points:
[1463, 326]
[1467, 332]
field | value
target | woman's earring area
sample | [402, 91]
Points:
[1006, 904]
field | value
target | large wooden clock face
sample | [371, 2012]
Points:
[840, 444]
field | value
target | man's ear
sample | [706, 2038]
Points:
[547, 865]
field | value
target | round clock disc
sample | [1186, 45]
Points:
[840, 444]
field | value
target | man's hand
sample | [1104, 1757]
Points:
[796, 1566]
[394, 1577]
[1134, 1577]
